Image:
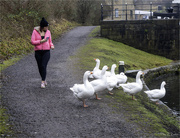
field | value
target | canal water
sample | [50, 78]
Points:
[172, 97]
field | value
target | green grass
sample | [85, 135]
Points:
[110, 52]
[5, 127]
[61, 27]
[95, 32]
[153, 119]
[9, 62]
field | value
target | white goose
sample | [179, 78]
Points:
[100, 84]
[112, 80]
[108, 73]
[156, 94]
[85, 90]
[134, 87]
[96, 71]
[121, 78]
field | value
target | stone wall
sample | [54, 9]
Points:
[161, 37]
[151, 74]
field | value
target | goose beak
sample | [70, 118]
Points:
[91, 72]
[143, 74]
[94, 59]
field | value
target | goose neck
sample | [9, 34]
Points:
[97, 64]
[162, 87]
[103, 72]
[85, 80]
[103, 76]
[112, 71]
[138, 80]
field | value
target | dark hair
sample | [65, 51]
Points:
[41, 28]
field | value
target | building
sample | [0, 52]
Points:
[136, 9]
[121, 8]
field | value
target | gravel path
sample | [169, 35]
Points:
[54, 112]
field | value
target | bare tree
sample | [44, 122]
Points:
[83, 10]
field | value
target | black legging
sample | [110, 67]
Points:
[42, 58]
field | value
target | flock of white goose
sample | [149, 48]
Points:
[104, 79]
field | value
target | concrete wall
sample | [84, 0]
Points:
[159, 37]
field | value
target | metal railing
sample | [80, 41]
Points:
[139, 11]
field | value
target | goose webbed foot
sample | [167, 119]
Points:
[84, 104]
[97, 97]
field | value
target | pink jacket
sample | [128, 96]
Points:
[36, 38]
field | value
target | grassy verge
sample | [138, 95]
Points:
[153, 119]
[5, 127]
[60, 27]
[9, 62]
[110, 52]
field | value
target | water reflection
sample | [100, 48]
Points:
[171, 99]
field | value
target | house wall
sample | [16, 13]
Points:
[121, 6]
[159, 37]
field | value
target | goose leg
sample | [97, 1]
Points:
[97, 97]
[84, 104]
[157, 102]
[110, 93]
[133, 98]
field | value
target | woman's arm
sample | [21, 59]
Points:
[50, 41]
[33, 39]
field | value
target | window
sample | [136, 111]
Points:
[116, 13]
[131, 14]
[159, 7]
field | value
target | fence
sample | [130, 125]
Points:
[133, 11]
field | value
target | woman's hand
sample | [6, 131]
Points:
[52, 47]
[43, 40]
